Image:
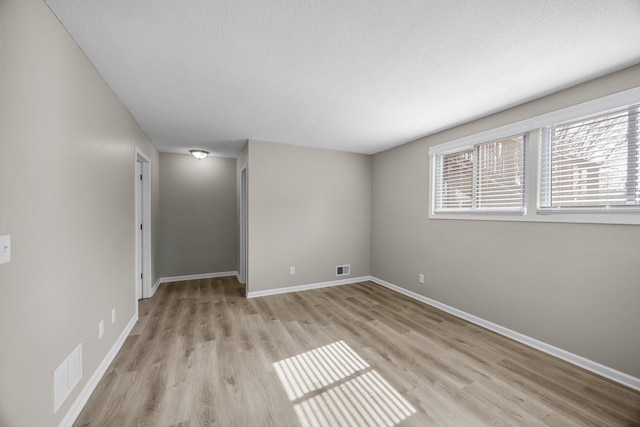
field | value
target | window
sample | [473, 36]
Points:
[592, 163]
[485, 177]
[578, 164]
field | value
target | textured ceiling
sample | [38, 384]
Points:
[359, 76]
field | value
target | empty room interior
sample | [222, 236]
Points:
[337, 213]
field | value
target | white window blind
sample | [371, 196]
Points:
[485, 177]
[592, 163]
[454, 189]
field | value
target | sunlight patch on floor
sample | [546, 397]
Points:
[333, 386]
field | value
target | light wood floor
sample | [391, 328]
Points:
[356, 356]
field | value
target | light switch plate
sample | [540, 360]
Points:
[5, 249]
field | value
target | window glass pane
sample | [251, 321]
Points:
[488, 176]
[500, 178]
[455, 183]
[593, 163]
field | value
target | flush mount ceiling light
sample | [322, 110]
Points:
[199, 154]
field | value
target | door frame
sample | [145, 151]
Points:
[145, 245]
[244, 187]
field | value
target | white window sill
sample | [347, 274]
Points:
[573, 217]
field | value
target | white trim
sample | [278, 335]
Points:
[146, 222]
[196, 277]
[577, 218]
[310, 286]
[582, 362]
[243, 224]
[77, 406]
[237, 273]
[154, 288]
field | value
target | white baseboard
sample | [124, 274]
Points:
[582, 362]
[154, 288]
[75, 409]
[308, 287]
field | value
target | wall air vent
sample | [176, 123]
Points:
[343, 270]
[66, 377]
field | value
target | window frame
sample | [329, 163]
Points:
[548, 187]
[535, 128]
[475, 176]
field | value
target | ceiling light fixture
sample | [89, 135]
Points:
[199, 154]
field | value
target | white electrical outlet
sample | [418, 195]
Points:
[101, 329]
[292, 270]
[113, 316]
[421, 278]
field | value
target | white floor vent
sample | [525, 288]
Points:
[66, 377]
[343, 270]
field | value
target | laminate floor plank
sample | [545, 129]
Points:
[565, 392]
[357, 355]
[576, 411]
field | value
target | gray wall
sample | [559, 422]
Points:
[198, 215]
[67, 199]
[308, 208]
[575, 286]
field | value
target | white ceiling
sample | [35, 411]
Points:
[354, 75]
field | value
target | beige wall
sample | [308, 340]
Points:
[198, 215]
[67, 200]
[574, 286]
[308, 208]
